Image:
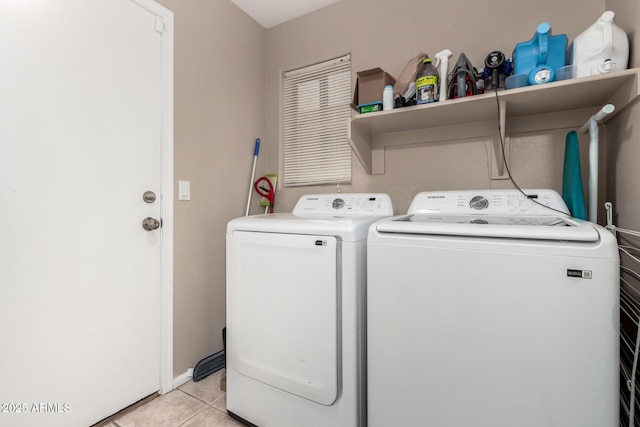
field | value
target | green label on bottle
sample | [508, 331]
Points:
[426, 80]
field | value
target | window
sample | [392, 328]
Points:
[316, 113]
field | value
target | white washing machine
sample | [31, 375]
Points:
[296, 312]
[488, 310]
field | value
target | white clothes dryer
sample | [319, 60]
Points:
[296, 312]
[486, 309]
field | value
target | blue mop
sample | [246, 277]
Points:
[572, 192]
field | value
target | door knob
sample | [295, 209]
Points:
[150, 223]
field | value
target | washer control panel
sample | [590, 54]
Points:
[479, 203]
[489, 202]
[337, 203]
[377, 204]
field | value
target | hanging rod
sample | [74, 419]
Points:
[591, 126]
[598, 117]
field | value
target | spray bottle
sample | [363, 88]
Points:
[442, 60]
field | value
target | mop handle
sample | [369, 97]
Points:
[256, 150]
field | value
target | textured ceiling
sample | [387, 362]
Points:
[269, 13]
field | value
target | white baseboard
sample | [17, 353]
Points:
[182, 378]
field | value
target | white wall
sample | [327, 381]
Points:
[219, 112]
[380, 33]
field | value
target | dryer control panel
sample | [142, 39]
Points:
[377, 204]
[489, 202]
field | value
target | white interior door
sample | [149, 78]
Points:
[81, 140]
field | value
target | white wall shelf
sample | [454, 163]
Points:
[560, 104]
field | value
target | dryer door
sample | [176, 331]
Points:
[283, 305]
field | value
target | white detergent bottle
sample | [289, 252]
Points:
[600, 49]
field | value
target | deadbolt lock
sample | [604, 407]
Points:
[149, 197]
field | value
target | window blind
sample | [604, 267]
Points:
[316, 113]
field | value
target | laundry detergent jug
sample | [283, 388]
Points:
[600, 49]
[541, 56]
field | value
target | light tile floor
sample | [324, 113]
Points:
[193, 404]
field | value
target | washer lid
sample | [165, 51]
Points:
[499, 226]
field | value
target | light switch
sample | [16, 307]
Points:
[184, 190]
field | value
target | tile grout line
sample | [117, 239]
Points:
[196, 413]
[210, 405]
[195, 397]
[207, 403]
[223, 395]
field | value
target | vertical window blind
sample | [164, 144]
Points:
[316, 113]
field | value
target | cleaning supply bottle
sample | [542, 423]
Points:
[540, 57]
[442, 60]
[427, 81]
[600, 49]
[387, 98]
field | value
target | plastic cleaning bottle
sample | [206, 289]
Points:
[442, 60]
[427, 81]
[600, 49]
[540, 57]
[387, 98]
